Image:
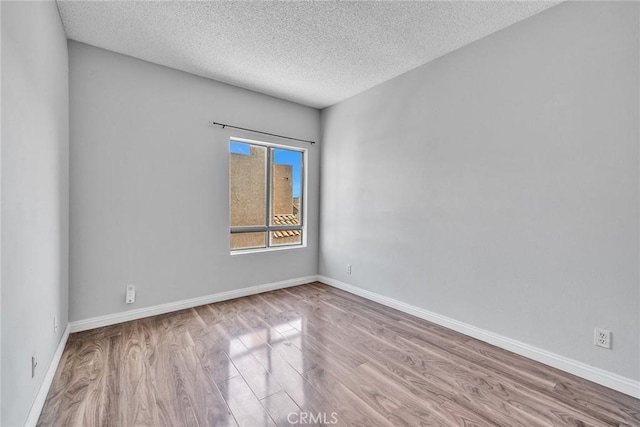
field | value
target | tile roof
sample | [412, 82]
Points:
[287, 219]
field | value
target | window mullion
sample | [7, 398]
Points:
[248, 229]
[268, 192]
[302, 195]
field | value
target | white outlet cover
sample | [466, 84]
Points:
[602, 338]
[34, 365]
[130, 297]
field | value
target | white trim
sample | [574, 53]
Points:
[263, 143]
[125, 316]
[41, 397]
[580, 369]
[269, 249]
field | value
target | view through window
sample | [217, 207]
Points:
[266, 186]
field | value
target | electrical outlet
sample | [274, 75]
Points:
[348, 268]
[131, 294]
[34, 364]
[602, 338]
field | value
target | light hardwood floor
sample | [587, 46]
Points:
[310, 355]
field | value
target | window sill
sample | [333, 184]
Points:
[271, 249]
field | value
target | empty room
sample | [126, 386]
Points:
[291, 213]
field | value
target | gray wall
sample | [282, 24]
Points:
[0, 212]
[149, 184]
[35, 149]
[498, 185]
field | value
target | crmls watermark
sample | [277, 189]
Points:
[312, 418]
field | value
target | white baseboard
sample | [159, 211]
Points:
[580, 369]
[125, 316]
[41, 397]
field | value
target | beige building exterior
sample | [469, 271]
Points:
[248, 200]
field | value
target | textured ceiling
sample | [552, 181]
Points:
[315, 53]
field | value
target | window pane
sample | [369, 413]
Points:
[247, 175]
[288, 237]
[286, 186]
[248, 240]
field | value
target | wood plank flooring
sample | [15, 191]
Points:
[311, 355]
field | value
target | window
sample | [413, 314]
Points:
[266, 184]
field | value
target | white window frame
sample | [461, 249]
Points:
[268, 228]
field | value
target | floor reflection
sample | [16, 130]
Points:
[269, 360]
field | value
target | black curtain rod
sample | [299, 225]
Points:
[264, 133]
